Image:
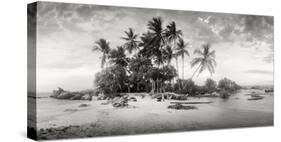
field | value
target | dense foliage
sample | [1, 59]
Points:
[228, 85]
[210, 85]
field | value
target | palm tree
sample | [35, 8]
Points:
[205, 60]
[118, 57]
[168, 54]
[182, 51]
[157, 42]
[102, 46]
[131, 40]
[172, 35]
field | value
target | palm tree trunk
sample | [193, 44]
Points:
[175, 44]
[157, 86]
[182, 67]
[177, 65]
[196, 71]
[152, 86]
[146, 86]
[138, 87]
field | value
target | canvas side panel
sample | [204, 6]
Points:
[31, 71]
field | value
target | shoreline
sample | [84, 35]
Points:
[77, 119]
[91, 130]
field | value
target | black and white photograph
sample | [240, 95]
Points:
[96, 70]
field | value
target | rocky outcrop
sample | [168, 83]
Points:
[101, 97]
[120, 102]
[81, 95]
[179, 107]
[269, 90]
[255, 97]
[169, 96]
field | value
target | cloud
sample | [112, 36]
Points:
[266, 72]
[67, 32]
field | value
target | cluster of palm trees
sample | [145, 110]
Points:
[158, 45]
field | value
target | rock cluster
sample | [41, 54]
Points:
[180, 106]
[120, 101]
[81, 95]
[169, 96]
[269, 90]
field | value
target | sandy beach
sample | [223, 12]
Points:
[68, 119]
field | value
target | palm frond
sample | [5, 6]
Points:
[198, 51]
[186, 52]
[210, 68]
[212, 54]
[202, 67]
[125, 38]
[195, 61]
[96, 48]
[213, 62]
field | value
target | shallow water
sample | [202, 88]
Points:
[152, 116]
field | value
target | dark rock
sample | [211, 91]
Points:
[84, 105]
[171, 96]
[179, 107]
[159, 99]
[181, 103]
[132, 99]
[70, 110]
[255, 97]
[76, 96]
[65, 95]
[62, 94]
[57, 92]
[269, 90]
[120, 102]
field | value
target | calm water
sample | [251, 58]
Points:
[235, 111]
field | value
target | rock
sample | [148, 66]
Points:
[57, 92]
[132, 99]
[215, 94]
[84, 105]
[179, 107]
[120, 102]
[101, 97]
[65, 95]
[116, 105]
[179, 97]
[255, 97]
[106, 103]
[86, 97]
[70, 110]
[115, 99]
[181, 102]
[269, 90]
[82, 95]
[174, 96]
[76, 96]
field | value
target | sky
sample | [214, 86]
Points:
[66, 34]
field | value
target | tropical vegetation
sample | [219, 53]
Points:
[144, 63]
